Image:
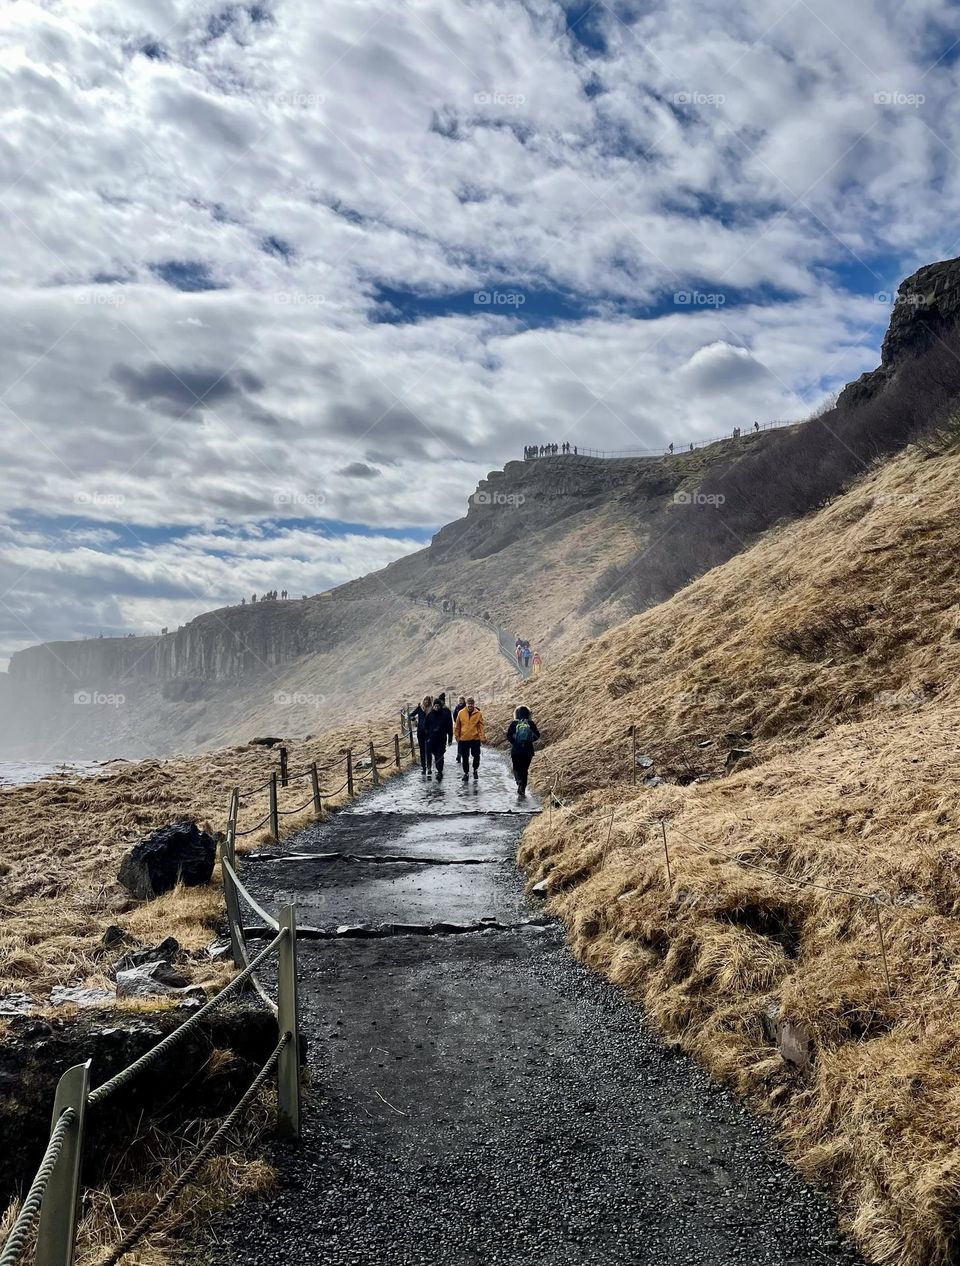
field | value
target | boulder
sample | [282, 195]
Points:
[154, 979]
[180, 851]
[268, 741]
[165, 952]
[737, 754]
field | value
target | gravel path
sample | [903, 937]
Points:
[482, 1098]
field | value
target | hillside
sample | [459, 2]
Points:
[829, 655]
[526, 555]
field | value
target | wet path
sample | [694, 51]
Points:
[480, 1097]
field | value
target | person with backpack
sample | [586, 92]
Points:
[419, 717]
[521, 735]
[470, 734]
[537, 663]
[439, 728]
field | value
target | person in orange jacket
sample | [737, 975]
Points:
[470, 733]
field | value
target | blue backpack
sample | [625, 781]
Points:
[523, 734]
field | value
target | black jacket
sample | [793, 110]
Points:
[439, 726]
[512, 736]
[420, 717]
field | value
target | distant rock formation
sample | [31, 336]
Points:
[927, 306]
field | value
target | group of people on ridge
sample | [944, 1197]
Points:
[531, 451]
[438, 728]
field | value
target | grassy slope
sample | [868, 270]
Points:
[62, 840]
[837, 642]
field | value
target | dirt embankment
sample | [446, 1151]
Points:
[829, 654]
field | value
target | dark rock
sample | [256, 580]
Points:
[16, 1004]
[165, 952]
[269, 741]
[113, 936]
[219, 949]
[927, 308]
[180, 851]
[737, 754]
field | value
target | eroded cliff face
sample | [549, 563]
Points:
[927, 307]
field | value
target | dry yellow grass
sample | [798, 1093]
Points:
[61, 842]
[836, 642]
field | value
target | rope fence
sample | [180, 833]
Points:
[51, 1205]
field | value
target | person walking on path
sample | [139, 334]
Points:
[521, 735]
[439, 734]
[419, 715]
[537, 663]
[470, 734]
[460, 704]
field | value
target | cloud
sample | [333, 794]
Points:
[243, 182]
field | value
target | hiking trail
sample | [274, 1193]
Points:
[481, 1097]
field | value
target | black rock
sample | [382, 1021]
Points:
[175, 852]
[165, 952]
[268, 741]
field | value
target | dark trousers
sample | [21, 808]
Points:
[521, 766]
[436, 748]
[468, 748]
[459, 752]
[424, 752]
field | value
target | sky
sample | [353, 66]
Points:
[280, 281]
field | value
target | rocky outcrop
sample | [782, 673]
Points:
[180, 852]
[927, 306]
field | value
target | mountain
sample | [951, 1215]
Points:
[556, 550]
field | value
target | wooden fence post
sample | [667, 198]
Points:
[283, 766]
[666, 854]
[373, 765]
[633, 766]
[396, 750]
[315, 780]
[274, 812]
[349, 773]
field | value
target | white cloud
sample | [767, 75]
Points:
[294, 162]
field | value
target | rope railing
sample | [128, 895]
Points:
[26, 1220]
[155, 1053]
[149, 1220]
[52, 1202]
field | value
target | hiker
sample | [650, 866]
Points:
[537, 663]
[420, 714]
[439, 727]
[521, 735]
[519, 652]
[470, 733]
[756, 426]
[670, 450]
[458, 707]
[526, 655]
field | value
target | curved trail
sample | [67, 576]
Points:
[482, 1098]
